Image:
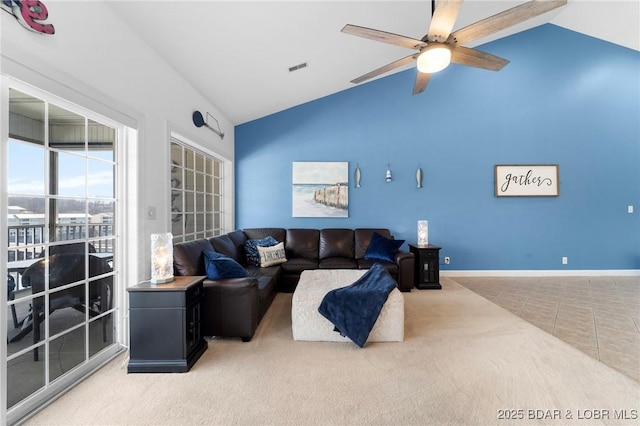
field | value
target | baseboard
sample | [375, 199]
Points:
[543, 273]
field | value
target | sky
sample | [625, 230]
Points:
[26, 172]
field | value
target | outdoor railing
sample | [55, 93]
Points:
[27, 241]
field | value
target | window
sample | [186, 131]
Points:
[61, 167]
[196, 193]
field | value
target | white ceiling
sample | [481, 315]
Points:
[237, 53]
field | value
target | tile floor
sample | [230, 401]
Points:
[598, 315]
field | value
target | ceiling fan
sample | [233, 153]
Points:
[440, 45]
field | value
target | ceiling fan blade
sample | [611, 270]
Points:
[422, 79]
[443, 19]
[475, 58]
[505, 19]
[393, 65]
[385, 37]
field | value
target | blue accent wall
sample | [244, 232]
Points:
[565, 99]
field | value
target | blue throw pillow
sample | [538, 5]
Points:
[381, 248]
[220, 266]
[251, 248]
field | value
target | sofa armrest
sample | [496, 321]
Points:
[405, 261]
[230, 307]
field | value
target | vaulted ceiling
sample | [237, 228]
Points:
[238, 53]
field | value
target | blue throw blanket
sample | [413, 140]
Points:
[354, 309]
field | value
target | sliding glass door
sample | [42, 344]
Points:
[62, 240]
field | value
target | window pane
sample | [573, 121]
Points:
[189, 159]
[200, 162]
[67, 130]
[200, 202]
[69, 177]
[26, 227]
[200, 223]
[177, 224]
[101, 218]
[26, 117]
[189, 183]
[189, 226]
[18, 313]
[24, 377]
[200, 182]
[189, 201]
[100, 334]
[66, 352]
[100, 179]
[25, 168]
[176, 178]
[69, 219]
[176, 155]
[101, 141]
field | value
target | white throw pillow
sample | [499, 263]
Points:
[273, 255]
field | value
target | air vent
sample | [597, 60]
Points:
[298, 67]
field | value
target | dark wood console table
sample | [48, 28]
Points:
[164, 323]
[427, 266]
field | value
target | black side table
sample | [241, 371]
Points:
[427, 266]
[164, 324]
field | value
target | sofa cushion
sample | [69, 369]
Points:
[223, 244]
[188, 257]
[392, 268]
[298, 264]
[251, 249]
[238, 237]
[302, 243]
[270, 256]
[219, 266]
[258, 233]
[362, 237]
[257, 271]
[337, 263]
[381, 248]
[336, 242]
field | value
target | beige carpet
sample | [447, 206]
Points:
[464, 361]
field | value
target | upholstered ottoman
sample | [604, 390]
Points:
[307, 323]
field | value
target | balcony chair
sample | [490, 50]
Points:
[67, 268]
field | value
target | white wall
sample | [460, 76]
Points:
[96, 61]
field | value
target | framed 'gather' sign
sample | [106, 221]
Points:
[526, 180]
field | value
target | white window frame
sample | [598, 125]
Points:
[126, 155]
[225, 216]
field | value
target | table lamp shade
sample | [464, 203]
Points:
[423, 232]
[161, 258]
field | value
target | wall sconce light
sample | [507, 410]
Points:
[356, 176]
[387, 176]
[161, 258]
[423, 233]
[199, 121]
[419, 177]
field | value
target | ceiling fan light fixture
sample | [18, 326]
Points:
[436, 57]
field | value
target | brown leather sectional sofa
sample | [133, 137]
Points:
[233, 307]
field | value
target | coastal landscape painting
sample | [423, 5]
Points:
[320, 189]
